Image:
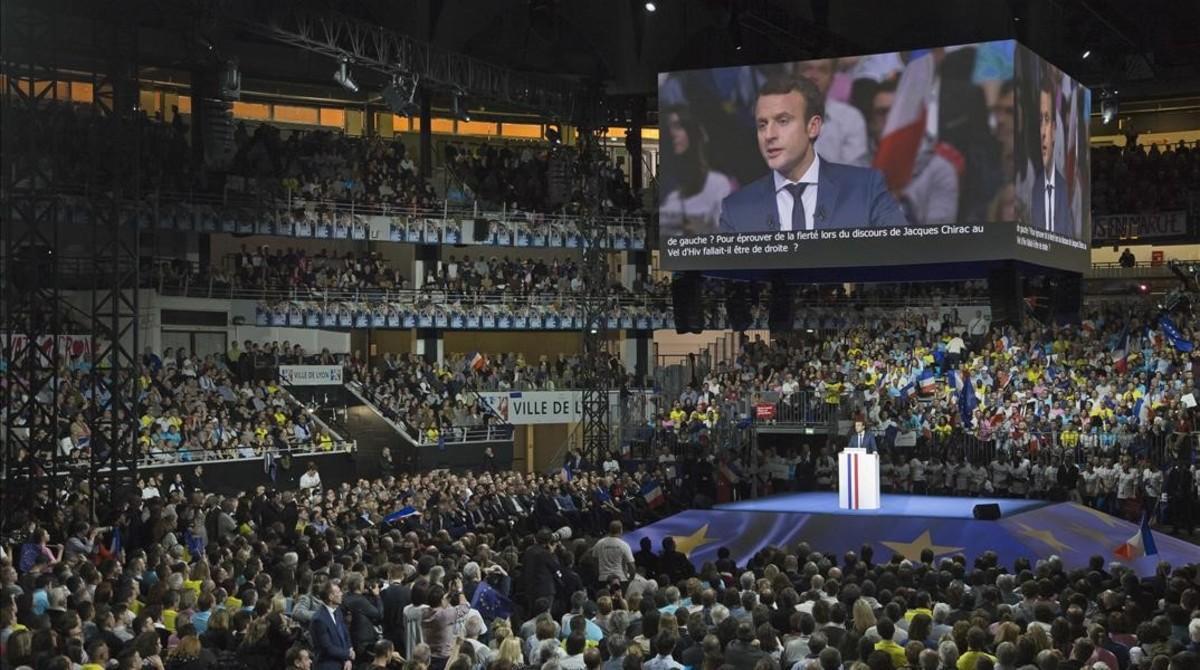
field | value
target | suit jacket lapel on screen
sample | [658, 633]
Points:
[827, 192]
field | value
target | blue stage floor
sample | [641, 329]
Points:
[908, 525]
[933, 507]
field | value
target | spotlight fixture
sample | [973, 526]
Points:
[650, 6]
[342, 76]
[458, 107]
[1109, 107]
[554, 133]
[400, 95]
[1086, 53]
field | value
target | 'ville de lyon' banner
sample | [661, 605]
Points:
[1149, 226]
[536, 407]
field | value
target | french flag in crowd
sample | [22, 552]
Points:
[653, 494]
[1141, 544]
[905, 126]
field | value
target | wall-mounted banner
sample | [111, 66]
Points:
[536, 407]
[310, 375]
[1139, 226]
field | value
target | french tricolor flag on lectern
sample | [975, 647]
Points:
[858, 485]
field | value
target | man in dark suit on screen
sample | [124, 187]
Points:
[1048, 206]
[803, 192]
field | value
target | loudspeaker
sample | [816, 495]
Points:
[986, 512]
[685, 302]
[482, 230]
[1006, 296]
[737, 307]
[1066, 298]
[782, 315]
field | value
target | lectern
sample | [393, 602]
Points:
[858, 479]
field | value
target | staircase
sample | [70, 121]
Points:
[354, 420]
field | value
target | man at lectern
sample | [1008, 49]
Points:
[861, 439]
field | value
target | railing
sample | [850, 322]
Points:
[313, 219]
[198, 456]
[453, 435]
[984, 446]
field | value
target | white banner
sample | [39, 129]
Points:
[533, 407]
[68, 345]
[1149, 226]
[310, 375]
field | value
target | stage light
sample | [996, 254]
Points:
[342, 76]
[554, 133]
[459, 109]
[1086, 53]
[650, 7]
[1109, 108]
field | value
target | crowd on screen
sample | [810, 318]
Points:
[1144, 179]
[503, 570]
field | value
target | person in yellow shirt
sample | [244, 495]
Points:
[325, 441]
[976, 644]
[886, 644]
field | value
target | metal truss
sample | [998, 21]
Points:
[29, 454]
[597, 376]
[389, 53]
[115, 411]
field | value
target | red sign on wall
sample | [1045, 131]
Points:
[764, 411]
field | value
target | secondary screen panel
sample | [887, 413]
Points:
[892, 158]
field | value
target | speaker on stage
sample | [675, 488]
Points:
[685, 302]
[1006, 296]
[737, 307]
[482, 230]
[782, 315]
[987, 512]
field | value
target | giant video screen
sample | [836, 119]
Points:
[936, 155]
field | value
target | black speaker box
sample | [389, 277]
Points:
[987, 512]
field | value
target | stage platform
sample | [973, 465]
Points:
[908, 524]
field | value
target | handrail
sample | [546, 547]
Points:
[152, 463]
[356, 390]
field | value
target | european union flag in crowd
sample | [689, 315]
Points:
[491, 603]
[967, 400]
[402, 513]
[1173, 334]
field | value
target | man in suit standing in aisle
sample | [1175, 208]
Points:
[861, 439]
[801, 191]
[330, 637]
[1049, 208]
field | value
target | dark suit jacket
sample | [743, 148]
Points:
[847, 197]
[395, 598]
[364, 614]
[330, 639]
[1062, 209]
[866, 441]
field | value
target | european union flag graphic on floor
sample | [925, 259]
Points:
[491, 603]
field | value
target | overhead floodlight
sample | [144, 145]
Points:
[1109, 108]
[650, 7]
[342, 76]
[458, 107]
[400, 95]
[1086, 53]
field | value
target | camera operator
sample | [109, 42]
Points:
[82, 541]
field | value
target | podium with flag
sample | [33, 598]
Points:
[858, 479]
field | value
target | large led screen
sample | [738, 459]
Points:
[914, 157]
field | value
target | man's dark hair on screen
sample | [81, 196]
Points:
[814, 102]
[1047, 87]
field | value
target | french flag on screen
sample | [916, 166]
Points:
[905, 126]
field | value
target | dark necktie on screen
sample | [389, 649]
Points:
[797, 190]
[1049, 206]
